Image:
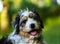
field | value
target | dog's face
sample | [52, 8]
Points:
[28, 22]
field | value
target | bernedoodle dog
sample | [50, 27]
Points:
[27, 29]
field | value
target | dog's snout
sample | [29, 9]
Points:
[32, 25]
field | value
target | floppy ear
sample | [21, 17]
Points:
[16, 24]
[38, 17]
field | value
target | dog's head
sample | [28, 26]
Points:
[28, 22]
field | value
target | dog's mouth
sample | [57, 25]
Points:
[33, 32]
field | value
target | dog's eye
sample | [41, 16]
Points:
[24, 19]
[31, 15]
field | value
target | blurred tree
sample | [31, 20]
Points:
[1, 5]
[46, 8]
[4, 20]
[50, 11]
[13, 8]
[54, 1]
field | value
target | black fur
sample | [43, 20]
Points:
[5, 40]
[16, 23]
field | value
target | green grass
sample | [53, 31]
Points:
[5, 32]
[51, 31]
[52, 35]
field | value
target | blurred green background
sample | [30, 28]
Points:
[49, 11]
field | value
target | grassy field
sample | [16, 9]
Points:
[52, 35]
[51, 31]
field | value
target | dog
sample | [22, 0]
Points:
[27, 28]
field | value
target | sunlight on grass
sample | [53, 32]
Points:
[41, 3]
[47, 2]
[51, 22]
[16, 3]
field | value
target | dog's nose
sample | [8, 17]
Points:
[32, 25]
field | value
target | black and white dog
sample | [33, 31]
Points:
[27, 28]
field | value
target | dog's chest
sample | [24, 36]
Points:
[28, 42]
[21, 40]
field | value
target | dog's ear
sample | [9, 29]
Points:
[38, 17]
[33, 10]
[16, 23]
